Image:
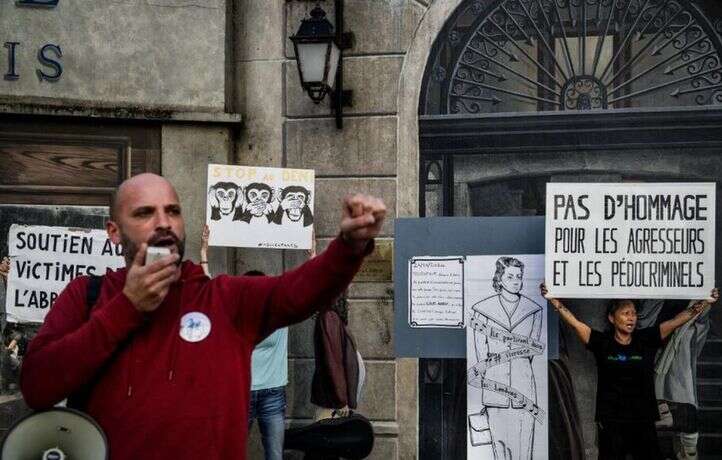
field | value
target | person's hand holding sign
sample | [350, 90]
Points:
[363, 216]
[5, 269]
[714, 296]
[556, 303]
[699, 306]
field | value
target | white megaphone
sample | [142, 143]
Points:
[55, 434]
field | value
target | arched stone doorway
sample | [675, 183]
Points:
[517, 93]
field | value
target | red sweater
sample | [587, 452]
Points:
[156, 395]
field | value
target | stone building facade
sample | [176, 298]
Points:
[171, 85]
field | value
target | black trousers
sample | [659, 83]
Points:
[617, 439]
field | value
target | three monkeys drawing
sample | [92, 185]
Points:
[258, 202]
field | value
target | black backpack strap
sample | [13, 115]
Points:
[78, 399]
[91, 295]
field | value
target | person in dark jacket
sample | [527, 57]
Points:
[337, 377]
[339, 371]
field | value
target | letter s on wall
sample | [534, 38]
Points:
[49, 62]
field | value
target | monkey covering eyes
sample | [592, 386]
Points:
[295, 206]
[225, 198]
[258, 198]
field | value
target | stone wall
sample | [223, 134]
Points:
[283, 127]
[159, 53]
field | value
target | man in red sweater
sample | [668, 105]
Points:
[166, 351]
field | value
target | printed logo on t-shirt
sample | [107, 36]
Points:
[194, 326]
[621, 357]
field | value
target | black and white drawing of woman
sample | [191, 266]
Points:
[502, 323]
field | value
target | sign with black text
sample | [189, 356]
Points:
[630, 240]
[45, 259]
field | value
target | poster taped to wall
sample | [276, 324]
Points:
[506, 355]
[623, 240]
[260, 207]
[436, 292]
[43, 260]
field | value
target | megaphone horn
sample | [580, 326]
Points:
[55, 434]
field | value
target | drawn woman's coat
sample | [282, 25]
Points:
[512, 432]
[524, 318]
[506, 355]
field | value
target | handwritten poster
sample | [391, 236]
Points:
[436, 292]
[622, 240]
[260, 207]
[43, 260]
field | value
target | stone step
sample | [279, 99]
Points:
[709, 391]
[712, 350]
[709, 418]
[709, 369]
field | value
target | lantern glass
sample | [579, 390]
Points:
[312, 61]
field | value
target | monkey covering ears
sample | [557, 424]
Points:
[295, 206]
[225, 198]
[258, 199]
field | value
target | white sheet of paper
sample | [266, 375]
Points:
[436, 292]
[506, 354]
[630, 240]
[43, 260]
[259, 207]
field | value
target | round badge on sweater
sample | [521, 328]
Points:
[194, 326]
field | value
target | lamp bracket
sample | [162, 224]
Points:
[346, 98]
[346, 40]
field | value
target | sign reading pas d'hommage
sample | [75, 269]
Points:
[653, 240]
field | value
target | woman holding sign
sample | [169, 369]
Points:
[626, 402]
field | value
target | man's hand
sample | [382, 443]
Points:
[147, 286]
[362, 218]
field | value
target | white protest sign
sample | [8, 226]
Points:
[436, 292]
[45, 259]
[623, 240]
[260, 207]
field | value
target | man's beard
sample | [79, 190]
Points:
[130, 249]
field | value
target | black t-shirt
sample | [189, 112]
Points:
[625, 376]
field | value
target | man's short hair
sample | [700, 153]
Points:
[254, 273]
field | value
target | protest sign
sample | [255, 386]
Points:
[622, 240]
[45, 259]
[260, 207]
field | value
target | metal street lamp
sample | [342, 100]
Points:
[318, 55]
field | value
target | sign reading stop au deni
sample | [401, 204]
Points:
[45, 259]
[641, 240]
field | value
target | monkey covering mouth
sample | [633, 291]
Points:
[295, 206]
